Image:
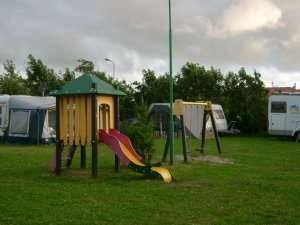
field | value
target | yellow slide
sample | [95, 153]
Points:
[129, 157]
[164, 173]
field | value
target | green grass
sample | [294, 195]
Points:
[261, 187]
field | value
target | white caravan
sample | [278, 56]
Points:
[158, 112]
[4, 107]
[284, 115]
[221, 122]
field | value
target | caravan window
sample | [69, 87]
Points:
[0, 109]
[218, 114]
[19, 124]
[52, 119]
[278, 107]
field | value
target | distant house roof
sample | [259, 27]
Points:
[87, 84]
[280, 90]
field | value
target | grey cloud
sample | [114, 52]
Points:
[135, 35]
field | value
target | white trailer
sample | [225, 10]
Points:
[4, 108]
[221, 122]
[284, 115]
[193, 118]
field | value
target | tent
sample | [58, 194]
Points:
[4, 99]
[31, 120]
[193, 119]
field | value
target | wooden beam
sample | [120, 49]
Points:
[93, 129]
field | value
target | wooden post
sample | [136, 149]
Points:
[167, 146]
[70, 156]
[185, 157]
[165, 155]
[203, 131]
[117, 126]
[215, 131]
[59, 144]
[94, 133]
[83, 156]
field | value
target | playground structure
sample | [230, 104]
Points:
[178, 110]
[88, 112]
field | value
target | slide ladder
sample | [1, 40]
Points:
[67, 159]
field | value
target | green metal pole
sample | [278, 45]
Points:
[171, 122]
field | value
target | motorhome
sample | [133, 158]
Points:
[4, 108]
[284, 115]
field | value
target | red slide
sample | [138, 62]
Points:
[121, 146]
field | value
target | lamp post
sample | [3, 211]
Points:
[171, 122]
[109, 60]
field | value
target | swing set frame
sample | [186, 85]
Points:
[178, 111]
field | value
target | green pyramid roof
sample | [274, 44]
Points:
[87, 84]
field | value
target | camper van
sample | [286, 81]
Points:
[284, 115]
[4, 107]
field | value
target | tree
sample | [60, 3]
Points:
[68, 75]
[103, 76]
[40, 77]
[162, 89]
[195, 83]
[152, 89]
[145, 90]
[11, 82]
[246, 101]
[127, 103]
[140, 133]
[85, 66]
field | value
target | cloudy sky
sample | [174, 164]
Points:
[261, 35]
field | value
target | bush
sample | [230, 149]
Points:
[141, 134]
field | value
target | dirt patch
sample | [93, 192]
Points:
[208, 158]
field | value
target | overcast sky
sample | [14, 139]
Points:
[261, 35]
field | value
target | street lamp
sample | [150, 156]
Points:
[109, 60]
[171, 122]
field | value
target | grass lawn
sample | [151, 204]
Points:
[261, 186]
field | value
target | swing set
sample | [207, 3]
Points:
[178, 110]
